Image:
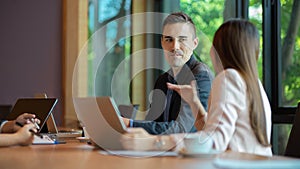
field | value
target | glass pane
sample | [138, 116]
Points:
[280, 137]
[289, 80]
[109, 46]
[255, 16]
[207, 15]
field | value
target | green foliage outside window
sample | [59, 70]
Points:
[207, 16]
[290, 72]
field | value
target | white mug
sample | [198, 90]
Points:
[86, 135]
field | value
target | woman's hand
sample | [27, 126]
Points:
[189, 94]
[126, 121]
[24, 136]
[138, 139]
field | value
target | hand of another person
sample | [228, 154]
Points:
[24, 135]
[138, 139]
[126, 121]
[26, 118]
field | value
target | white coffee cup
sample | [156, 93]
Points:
[86, 134]
[197, 143]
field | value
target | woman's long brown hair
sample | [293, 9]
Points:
[236, 44]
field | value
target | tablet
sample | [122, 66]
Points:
[41, 107]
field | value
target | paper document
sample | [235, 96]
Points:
[261, 164]
[139, 153]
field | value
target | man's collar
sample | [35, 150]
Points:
[190, 61]
[188, 64]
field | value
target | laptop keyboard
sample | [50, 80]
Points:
[69, 134]
[64, 134]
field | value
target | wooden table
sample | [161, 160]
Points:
[75, 155]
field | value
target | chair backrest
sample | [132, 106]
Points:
[293, 145]
[128, 111]
[4, 111]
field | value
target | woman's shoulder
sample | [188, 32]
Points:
[230, 76]
[230, 73]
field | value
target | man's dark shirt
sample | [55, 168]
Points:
[179, 119]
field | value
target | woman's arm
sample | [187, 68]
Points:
[139, 139]
[22, 137]
[25, 118]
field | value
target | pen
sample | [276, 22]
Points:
[36, 125]
[37, 134]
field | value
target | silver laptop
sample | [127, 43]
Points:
[102, 121]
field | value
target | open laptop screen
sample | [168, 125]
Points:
[41, 107]
[101, 118]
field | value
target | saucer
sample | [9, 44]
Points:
[209, 154]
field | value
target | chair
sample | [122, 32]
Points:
[4, 111]
[128, 111]
[293, 145]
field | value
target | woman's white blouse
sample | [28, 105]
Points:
[228, 119]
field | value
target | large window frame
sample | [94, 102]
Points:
[271, 60]
[271, 68]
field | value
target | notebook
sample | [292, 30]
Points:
[41, 107]
[102, 120]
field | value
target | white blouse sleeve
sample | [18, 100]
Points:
[228, 98]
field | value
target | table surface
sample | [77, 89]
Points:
[75, 155]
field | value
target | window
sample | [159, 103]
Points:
[282, 75]
[256, 16]
[289, 62]
[109, 45]
[207, 16]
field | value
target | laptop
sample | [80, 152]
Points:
[102, 120]
[51, 129]
[41, 107]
